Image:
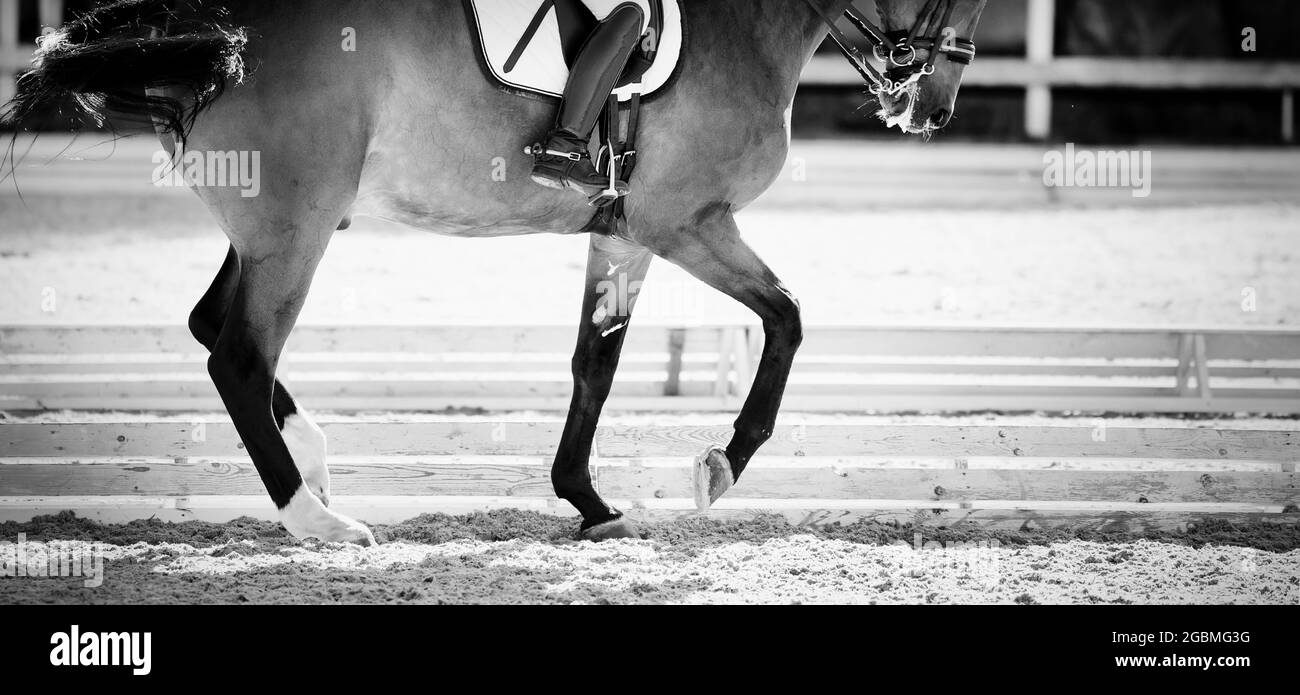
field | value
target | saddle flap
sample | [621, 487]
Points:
[540, 65]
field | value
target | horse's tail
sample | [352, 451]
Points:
[103, 62]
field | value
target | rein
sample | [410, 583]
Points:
[897, 49]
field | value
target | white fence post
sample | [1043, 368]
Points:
[1039, 44]
[9, 56]
[51, 14]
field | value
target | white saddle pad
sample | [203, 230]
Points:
[541, 68]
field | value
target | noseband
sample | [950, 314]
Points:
[897, 49]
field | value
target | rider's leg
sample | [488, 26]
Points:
[565, 163]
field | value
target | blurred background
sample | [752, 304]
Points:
[1108, 71]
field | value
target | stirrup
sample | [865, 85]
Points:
[616, 189]
[606, 197]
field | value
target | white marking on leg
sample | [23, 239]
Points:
[306, 517]
[307, 445]
[608, 332]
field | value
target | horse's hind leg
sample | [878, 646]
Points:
[274, 267]
[613, 266]
[714, 252]
[305, 440]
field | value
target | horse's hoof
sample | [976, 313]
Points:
[615, 528]
[712, 477]
[306, 517]
[363, 537]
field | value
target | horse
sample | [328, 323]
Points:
[403, 129]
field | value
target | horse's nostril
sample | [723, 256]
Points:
[941, 117]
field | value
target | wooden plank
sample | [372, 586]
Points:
[867, 402]
[89, 366]
[148, 338]
[215, 439]
[466, 477]
[109, 389]
[1225, 401]
[1110, 465]
[913, 341]
[179, 478]
[180, 439]
[220, 509]
[955, 388]
[962, 441]
[368, 365]
[1005, 342]
[641, 482]
[1251, 345]
[815, 364]
[347, 404]
[387, 509]
[1147, 72]
[309, 386]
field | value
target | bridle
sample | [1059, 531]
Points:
[898, 49]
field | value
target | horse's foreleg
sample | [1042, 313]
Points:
[274, 271]
[305, 440]
[715, 253]
[615, 270]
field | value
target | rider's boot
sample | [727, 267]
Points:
[564, 161]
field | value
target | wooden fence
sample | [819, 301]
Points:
[883, 368]
[999, 476]
[1082, 473]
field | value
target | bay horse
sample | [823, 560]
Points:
[404, 128]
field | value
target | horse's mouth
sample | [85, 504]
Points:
[900, 112]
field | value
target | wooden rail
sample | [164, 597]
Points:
[887, 368]
[1129, 477]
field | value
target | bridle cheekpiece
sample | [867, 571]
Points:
[897, 50]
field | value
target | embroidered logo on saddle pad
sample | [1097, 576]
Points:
[523, 45]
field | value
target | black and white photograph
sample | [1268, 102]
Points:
[609, 302]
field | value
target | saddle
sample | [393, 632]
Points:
[527, 46]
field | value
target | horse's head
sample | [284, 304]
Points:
[918, 28]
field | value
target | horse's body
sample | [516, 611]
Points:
[408, 120]
[406, 128]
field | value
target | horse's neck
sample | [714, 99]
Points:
[804, 18]
[811, 14]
